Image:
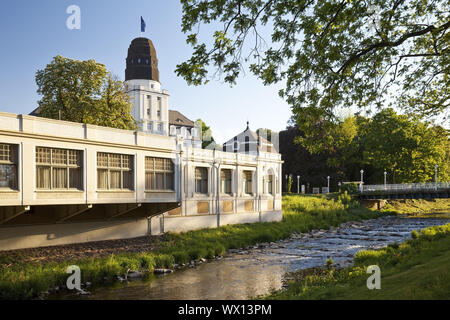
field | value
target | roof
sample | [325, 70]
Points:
[255, 142]
[142, 62]
[178, 119]
[36, 112]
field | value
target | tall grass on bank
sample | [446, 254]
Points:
[300, 214]
[416, 269]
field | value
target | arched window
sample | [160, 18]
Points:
[270, 184]
[247, 144]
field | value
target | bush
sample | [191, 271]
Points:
[350, 188]
[164, 261]
[414, 234]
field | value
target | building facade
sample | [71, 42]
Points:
[63, 182]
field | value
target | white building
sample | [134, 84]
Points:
[63, 182]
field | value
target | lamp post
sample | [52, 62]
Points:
[328, 178]
[286, 179]
[362, 179]
[298, 184]
[435, 176]
[385, 173]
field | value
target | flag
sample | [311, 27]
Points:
[142, 25]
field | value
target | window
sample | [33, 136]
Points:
[115, 171]
[139, 60]
[270, 184]
[247, 176]
[159, 174]
[149, 127]
[160, 128]
[201, 180]
[58, 169]
[8, 166]
[225, 181]
[159, 108]
[147, 61]
[247, 144]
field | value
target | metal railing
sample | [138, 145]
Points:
[407, 187]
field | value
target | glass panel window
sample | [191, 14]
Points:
[248, 181]
[58, 169]
[225, 180]
[159, 174]
[8, 166]
[115, 171]
[201, 180]
[270, 184]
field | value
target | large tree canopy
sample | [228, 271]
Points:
[407, 148]
[329, 53]
[85, 92]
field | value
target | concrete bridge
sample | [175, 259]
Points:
[430, 190]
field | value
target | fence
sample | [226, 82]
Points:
[407, 187]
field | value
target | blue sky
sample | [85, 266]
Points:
[33, 32]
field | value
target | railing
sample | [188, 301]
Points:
[408, 187]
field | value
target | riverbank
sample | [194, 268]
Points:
[416, 269]
[419, 207]
[24, 279]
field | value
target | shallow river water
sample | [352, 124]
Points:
[243, 274]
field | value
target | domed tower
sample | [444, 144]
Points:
[142, 62]
[150, 102]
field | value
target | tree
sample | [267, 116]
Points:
[406, 148]
[85, 92]
[207, 138]
[330, 53]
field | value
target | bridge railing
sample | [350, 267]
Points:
[407, 187]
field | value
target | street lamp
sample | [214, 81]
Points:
[286, 185]
[298, 184]
[362, 179]
[328, 178]
[385, 173]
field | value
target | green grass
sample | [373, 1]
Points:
[300, 214]
[420, 207]
[416, 269]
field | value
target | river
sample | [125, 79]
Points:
[246, 273]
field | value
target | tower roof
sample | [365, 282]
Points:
[142, 62]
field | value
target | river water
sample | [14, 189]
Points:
[249, 272]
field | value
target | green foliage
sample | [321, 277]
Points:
[409, 150]
[207, 138]
[289, 184]
[329, 262]
[414, 234]
[350, 188]
[331, 54]
[84, 92]
[405, 147]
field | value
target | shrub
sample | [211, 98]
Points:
[414, 234]
[329, 262]
[350, 188]
[164, 260]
